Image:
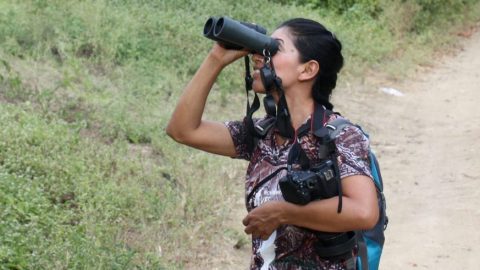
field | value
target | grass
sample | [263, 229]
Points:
[88, 178]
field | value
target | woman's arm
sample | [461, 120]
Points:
[359, 211]
[186, 125]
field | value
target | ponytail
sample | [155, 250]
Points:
[322, 89]
[315, 42]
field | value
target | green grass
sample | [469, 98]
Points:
[88, 178]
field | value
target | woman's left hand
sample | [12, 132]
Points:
[263, 220]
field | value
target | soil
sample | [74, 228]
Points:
[429, 140]
[428, 144]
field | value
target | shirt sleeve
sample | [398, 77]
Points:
[238, 131]
[353, 149]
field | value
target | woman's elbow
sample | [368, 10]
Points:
[368, 217]
[174, 133]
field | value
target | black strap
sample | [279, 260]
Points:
[284, 123]
[261, 183]
[327, 149]
[339, 184]
[248, 86]
[269, 105]
[250, 110]
[319, 118]
[252, 136]
[338, 247]
[248, 76]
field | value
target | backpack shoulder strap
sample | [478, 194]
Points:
[331, 130]
[337, 126]
[257, 130]
[263, 126]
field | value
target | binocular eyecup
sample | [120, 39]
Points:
[236, 35]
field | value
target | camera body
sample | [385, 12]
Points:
[319, 182]
[237, 35]
[304, 186]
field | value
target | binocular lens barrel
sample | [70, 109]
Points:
[238, 35]
[208, 33]
[208, 28]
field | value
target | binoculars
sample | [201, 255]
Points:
[236, 35]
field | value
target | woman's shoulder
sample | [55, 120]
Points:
[240, 131]
[353, 147]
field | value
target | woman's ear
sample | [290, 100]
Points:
[309, 70]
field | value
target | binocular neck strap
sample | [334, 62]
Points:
[282, 114]
[251, 109]
[248, 76]
[283, 122]
[248, 86]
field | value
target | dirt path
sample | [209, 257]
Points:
[428, 143]
[430, 147]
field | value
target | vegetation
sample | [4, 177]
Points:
[88, 178]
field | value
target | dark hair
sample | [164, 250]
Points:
[315, 42]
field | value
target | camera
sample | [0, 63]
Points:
[304, 186]
[237, 35]
[320, 182]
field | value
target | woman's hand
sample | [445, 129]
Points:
[224, 56]
[263, 220]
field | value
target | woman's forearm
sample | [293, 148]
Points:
[322, 215]
[359, 211]
[188, 114]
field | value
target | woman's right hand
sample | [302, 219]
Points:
[225, 56]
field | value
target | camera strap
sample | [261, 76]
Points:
[326, 149]
[260, 184]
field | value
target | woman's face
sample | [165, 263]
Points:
[286, 62]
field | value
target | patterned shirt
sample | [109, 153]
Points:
[291, 247]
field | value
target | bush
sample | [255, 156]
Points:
[425, 13]
[60, 196]
[431, 12]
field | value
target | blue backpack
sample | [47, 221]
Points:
[370, 242]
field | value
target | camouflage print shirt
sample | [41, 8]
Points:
[290, 247]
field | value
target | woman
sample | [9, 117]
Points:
[283, 233]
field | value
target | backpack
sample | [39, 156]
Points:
[370, 242]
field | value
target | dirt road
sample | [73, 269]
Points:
[428, 143]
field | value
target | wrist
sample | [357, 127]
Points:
[214, 62]
[287, 213]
